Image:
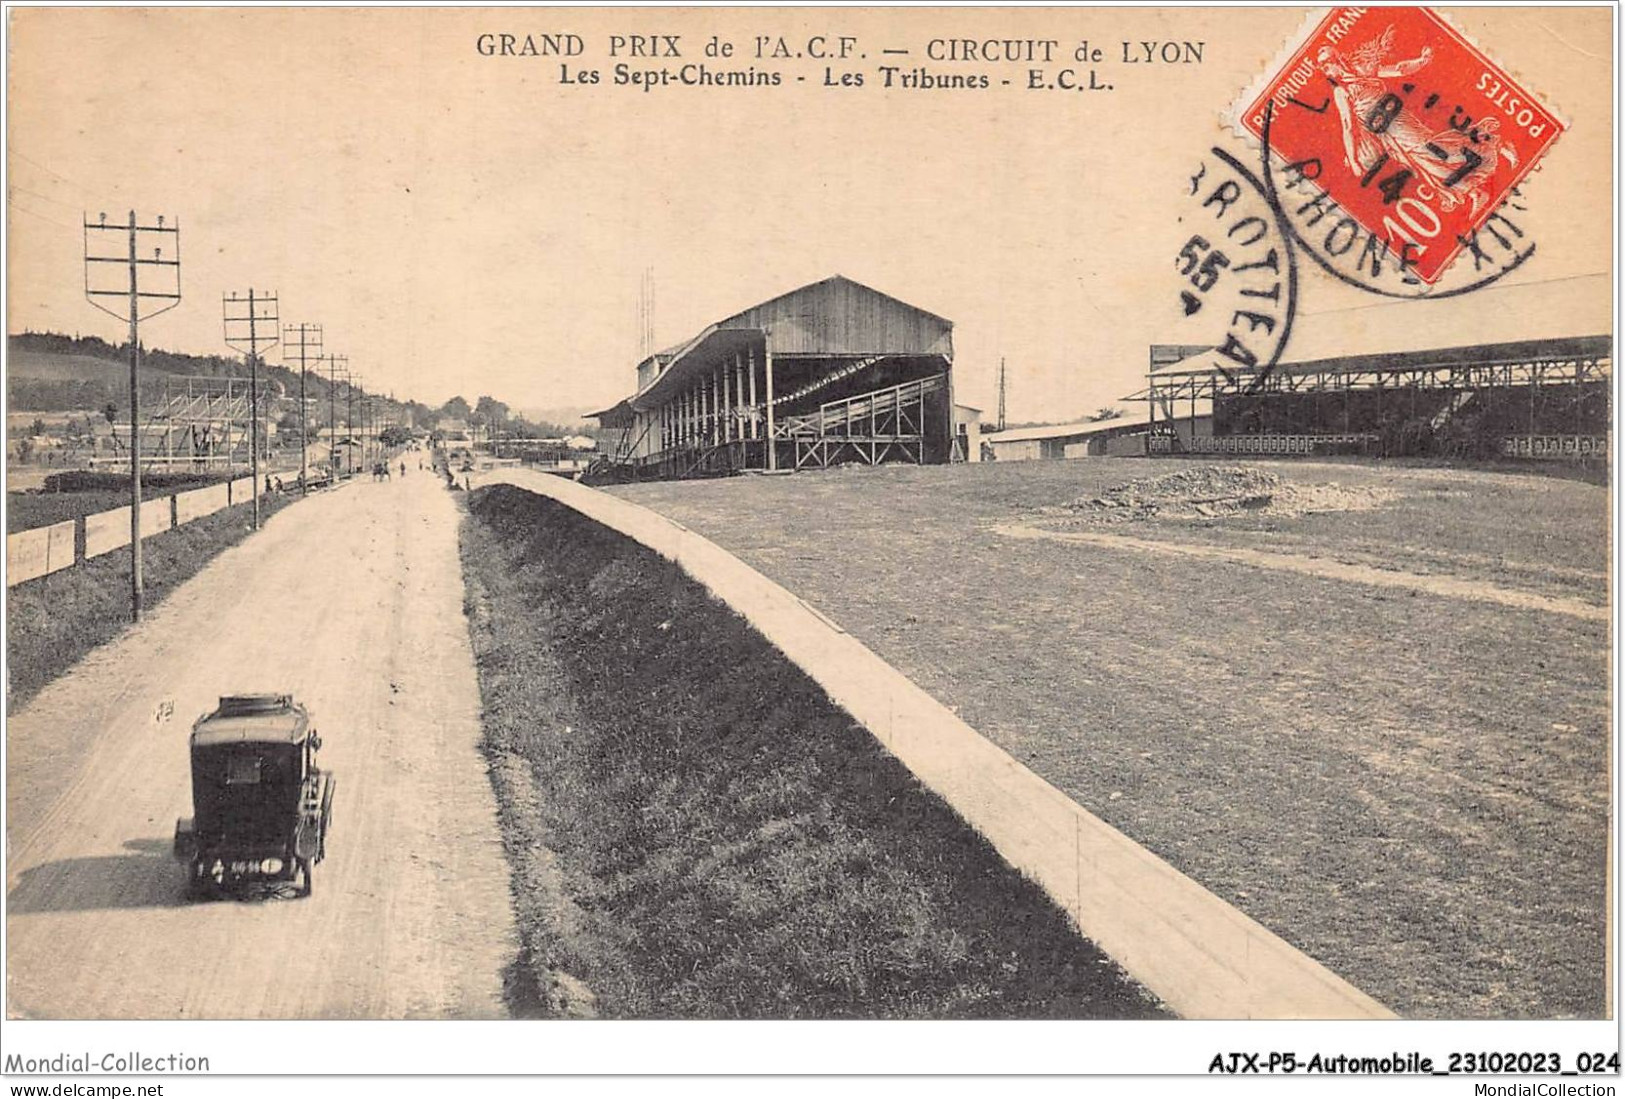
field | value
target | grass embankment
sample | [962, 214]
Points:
[87, 493]
[697, 831]
[55, 620]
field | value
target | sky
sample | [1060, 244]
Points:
[463, 224]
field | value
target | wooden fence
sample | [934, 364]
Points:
[31, 554]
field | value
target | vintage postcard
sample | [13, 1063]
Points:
[767, 513]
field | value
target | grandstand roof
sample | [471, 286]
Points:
[1486, 354]
[836, 316]
[1066, 431]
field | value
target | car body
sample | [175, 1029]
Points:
[260, 804]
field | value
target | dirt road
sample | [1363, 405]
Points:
[351, 600]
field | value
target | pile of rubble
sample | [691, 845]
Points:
[1211, 492]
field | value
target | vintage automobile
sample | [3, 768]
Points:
[260, 805]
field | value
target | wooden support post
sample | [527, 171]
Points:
[727, 404]
[755, 428]
[739, 391]
[1580, 420]
[772, 443]
[921, 451]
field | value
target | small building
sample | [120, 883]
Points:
[828, 374]
[1125, 436]
[968, 428]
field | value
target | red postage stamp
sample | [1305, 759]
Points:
[1406, 125]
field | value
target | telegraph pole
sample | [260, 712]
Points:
[250, 324]
[130, 295]
[307, 339]
[349, 420]
[333, 367]
[1001, 392]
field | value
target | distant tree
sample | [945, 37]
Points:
[25, 449]
[287, 428]
[110, 411]
[491, 411]
[423, 417]
[1107, 413]
[37, 428]
[394, 435]
[455, 409]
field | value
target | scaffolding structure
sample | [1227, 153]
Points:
[204, 423]
[870, 428]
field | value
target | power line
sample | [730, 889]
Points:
[41, 217]
[65, 205]
[20, 155]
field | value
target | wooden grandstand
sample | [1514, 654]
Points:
[828, 374]
[1527, 398]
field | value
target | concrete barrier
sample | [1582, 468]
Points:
[199, 502]
[106, 531]
[156, 516]
[31, 554]
[1203, 956]
[241, 490]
